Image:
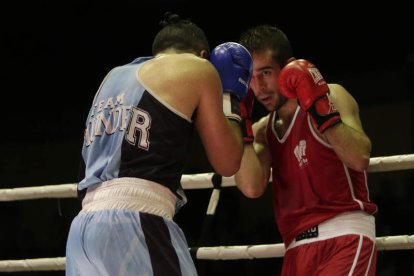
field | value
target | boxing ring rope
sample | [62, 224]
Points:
[198, 181]
[194, 181]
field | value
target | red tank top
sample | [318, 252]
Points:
[310, 183]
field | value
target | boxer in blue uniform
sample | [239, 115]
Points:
[135, 146]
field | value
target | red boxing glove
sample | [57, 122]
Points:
[246, 107]
[301, 79]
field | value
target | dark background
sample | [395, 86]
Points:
[53, 55]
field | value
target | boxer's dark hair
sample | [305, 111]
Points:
[179, 34]
[256, 39]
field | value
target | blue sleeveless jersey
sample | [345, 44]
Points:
[131, 133]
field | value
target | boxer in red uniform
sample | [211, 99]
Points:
[313, 143]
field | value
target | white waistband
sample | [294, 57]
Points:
[357, 223]
[132, 194]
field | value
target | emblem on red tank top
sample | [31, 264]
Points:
[300, 153]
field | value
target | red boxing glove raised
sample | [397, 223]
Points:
[246, 108]
[301, 79]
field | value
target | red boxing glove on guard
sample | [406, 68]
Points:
[301, 79]
[246, 107]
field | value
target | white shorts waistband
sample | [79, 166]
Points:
[357, 223]
[132, 194]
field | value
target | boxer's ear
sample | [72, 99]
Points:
[204, 54]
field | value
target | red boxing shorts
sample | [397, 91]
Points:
[327, 254]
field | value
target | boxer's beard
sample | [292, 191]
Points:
[280, 103]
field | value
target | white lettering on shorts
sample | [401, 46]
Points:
[312, 232]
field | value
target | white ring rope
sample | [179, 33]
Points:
[197, 181]
[189, 181]
[278, 250]
[391, 163]
[42, 264]
[206, 253]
